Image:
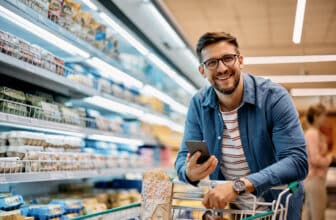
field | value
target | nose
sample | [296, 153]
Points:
[221, 66]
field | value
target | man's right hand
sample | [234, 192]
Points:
[195, 171]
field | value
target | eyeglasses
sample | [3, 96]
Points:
[227, 60]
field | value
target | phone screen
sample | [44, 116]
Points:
[194, 146]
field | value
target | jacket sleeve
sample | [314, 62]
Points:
[289, 146]
[192, 131]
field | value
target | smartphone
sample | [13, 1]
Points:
[194, 146]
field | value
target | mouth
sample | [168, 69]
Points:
[224, 77]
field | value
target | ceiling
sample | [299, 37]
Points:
[262, 27]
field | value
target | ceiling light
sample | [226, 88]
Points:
[313, 92]
[299, 17]
[289, 59]
[135, 43]
[110, 72]
[111, 105]
[151, 91]
[172, 74]
[301, 78]
[165, 26]
[121, 140]
[40, 32]
[90, 4]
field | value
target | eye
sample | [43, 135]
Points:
[211, 63]
[228, 58]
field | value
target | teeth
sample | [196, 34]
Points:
[223, 78]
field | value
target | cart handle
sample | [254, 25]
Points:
[294, 186]
[259, 215]
[88, 216]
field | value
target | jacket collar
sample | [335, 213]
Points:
[210, 98]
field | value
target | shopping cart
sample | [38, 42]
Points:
[186, 205]
[193, 197]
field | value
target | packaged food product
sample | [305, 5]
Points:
[59, 66]
[100, 36]
[55, 9]
[10, 202]
[25, 53]
[102, 123]
[10, 165]
[87, 80]
[156, 195]
[85, 20]
[17, 138]
[24, 152]
[48, 61]
[3, 138]
[41, 6]
[69, 205]
[50, 111]
[46, 211]
[12, 94]
[70, 116]
[48, 161]
[35, 52]
[103, 85]
[13, 108]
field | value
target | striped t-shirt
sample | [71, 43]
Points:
[234, 164]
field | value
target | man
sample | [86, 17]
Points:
[251, 128]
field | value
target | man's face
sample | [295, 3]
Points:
[224, 78]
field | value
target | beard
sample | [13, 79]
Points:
[229, 91]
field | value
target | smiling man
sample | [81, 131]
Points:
[251, 128]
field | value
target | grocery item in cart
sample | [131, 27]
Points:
[156, 195]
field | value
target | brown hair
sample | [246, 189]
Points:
[214, 37]
[314, 111]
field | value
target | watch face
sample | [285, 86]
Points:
[239, 186]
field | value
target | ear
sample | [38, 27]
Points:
[201, 70]
[241, 61]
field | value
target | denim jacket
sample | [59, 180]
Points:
[270, 132]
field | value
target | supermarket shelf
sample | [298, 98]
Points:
[28, 13]
[16, 121]
[30, 73]
[6, 178]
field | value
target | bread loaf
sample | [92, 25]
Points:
[156, 195]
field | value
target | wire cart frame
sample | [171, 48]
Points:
[275, 209]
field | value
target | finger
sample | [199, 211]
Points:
[205, 201]
[194, 157]
[210, 163]
[188, 157]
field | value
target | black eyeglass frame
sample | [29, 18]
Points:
[221, 59]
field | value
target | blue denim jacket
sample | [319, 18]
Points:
[270, 133]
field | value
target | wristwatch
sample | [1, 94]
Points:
[239, 186]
